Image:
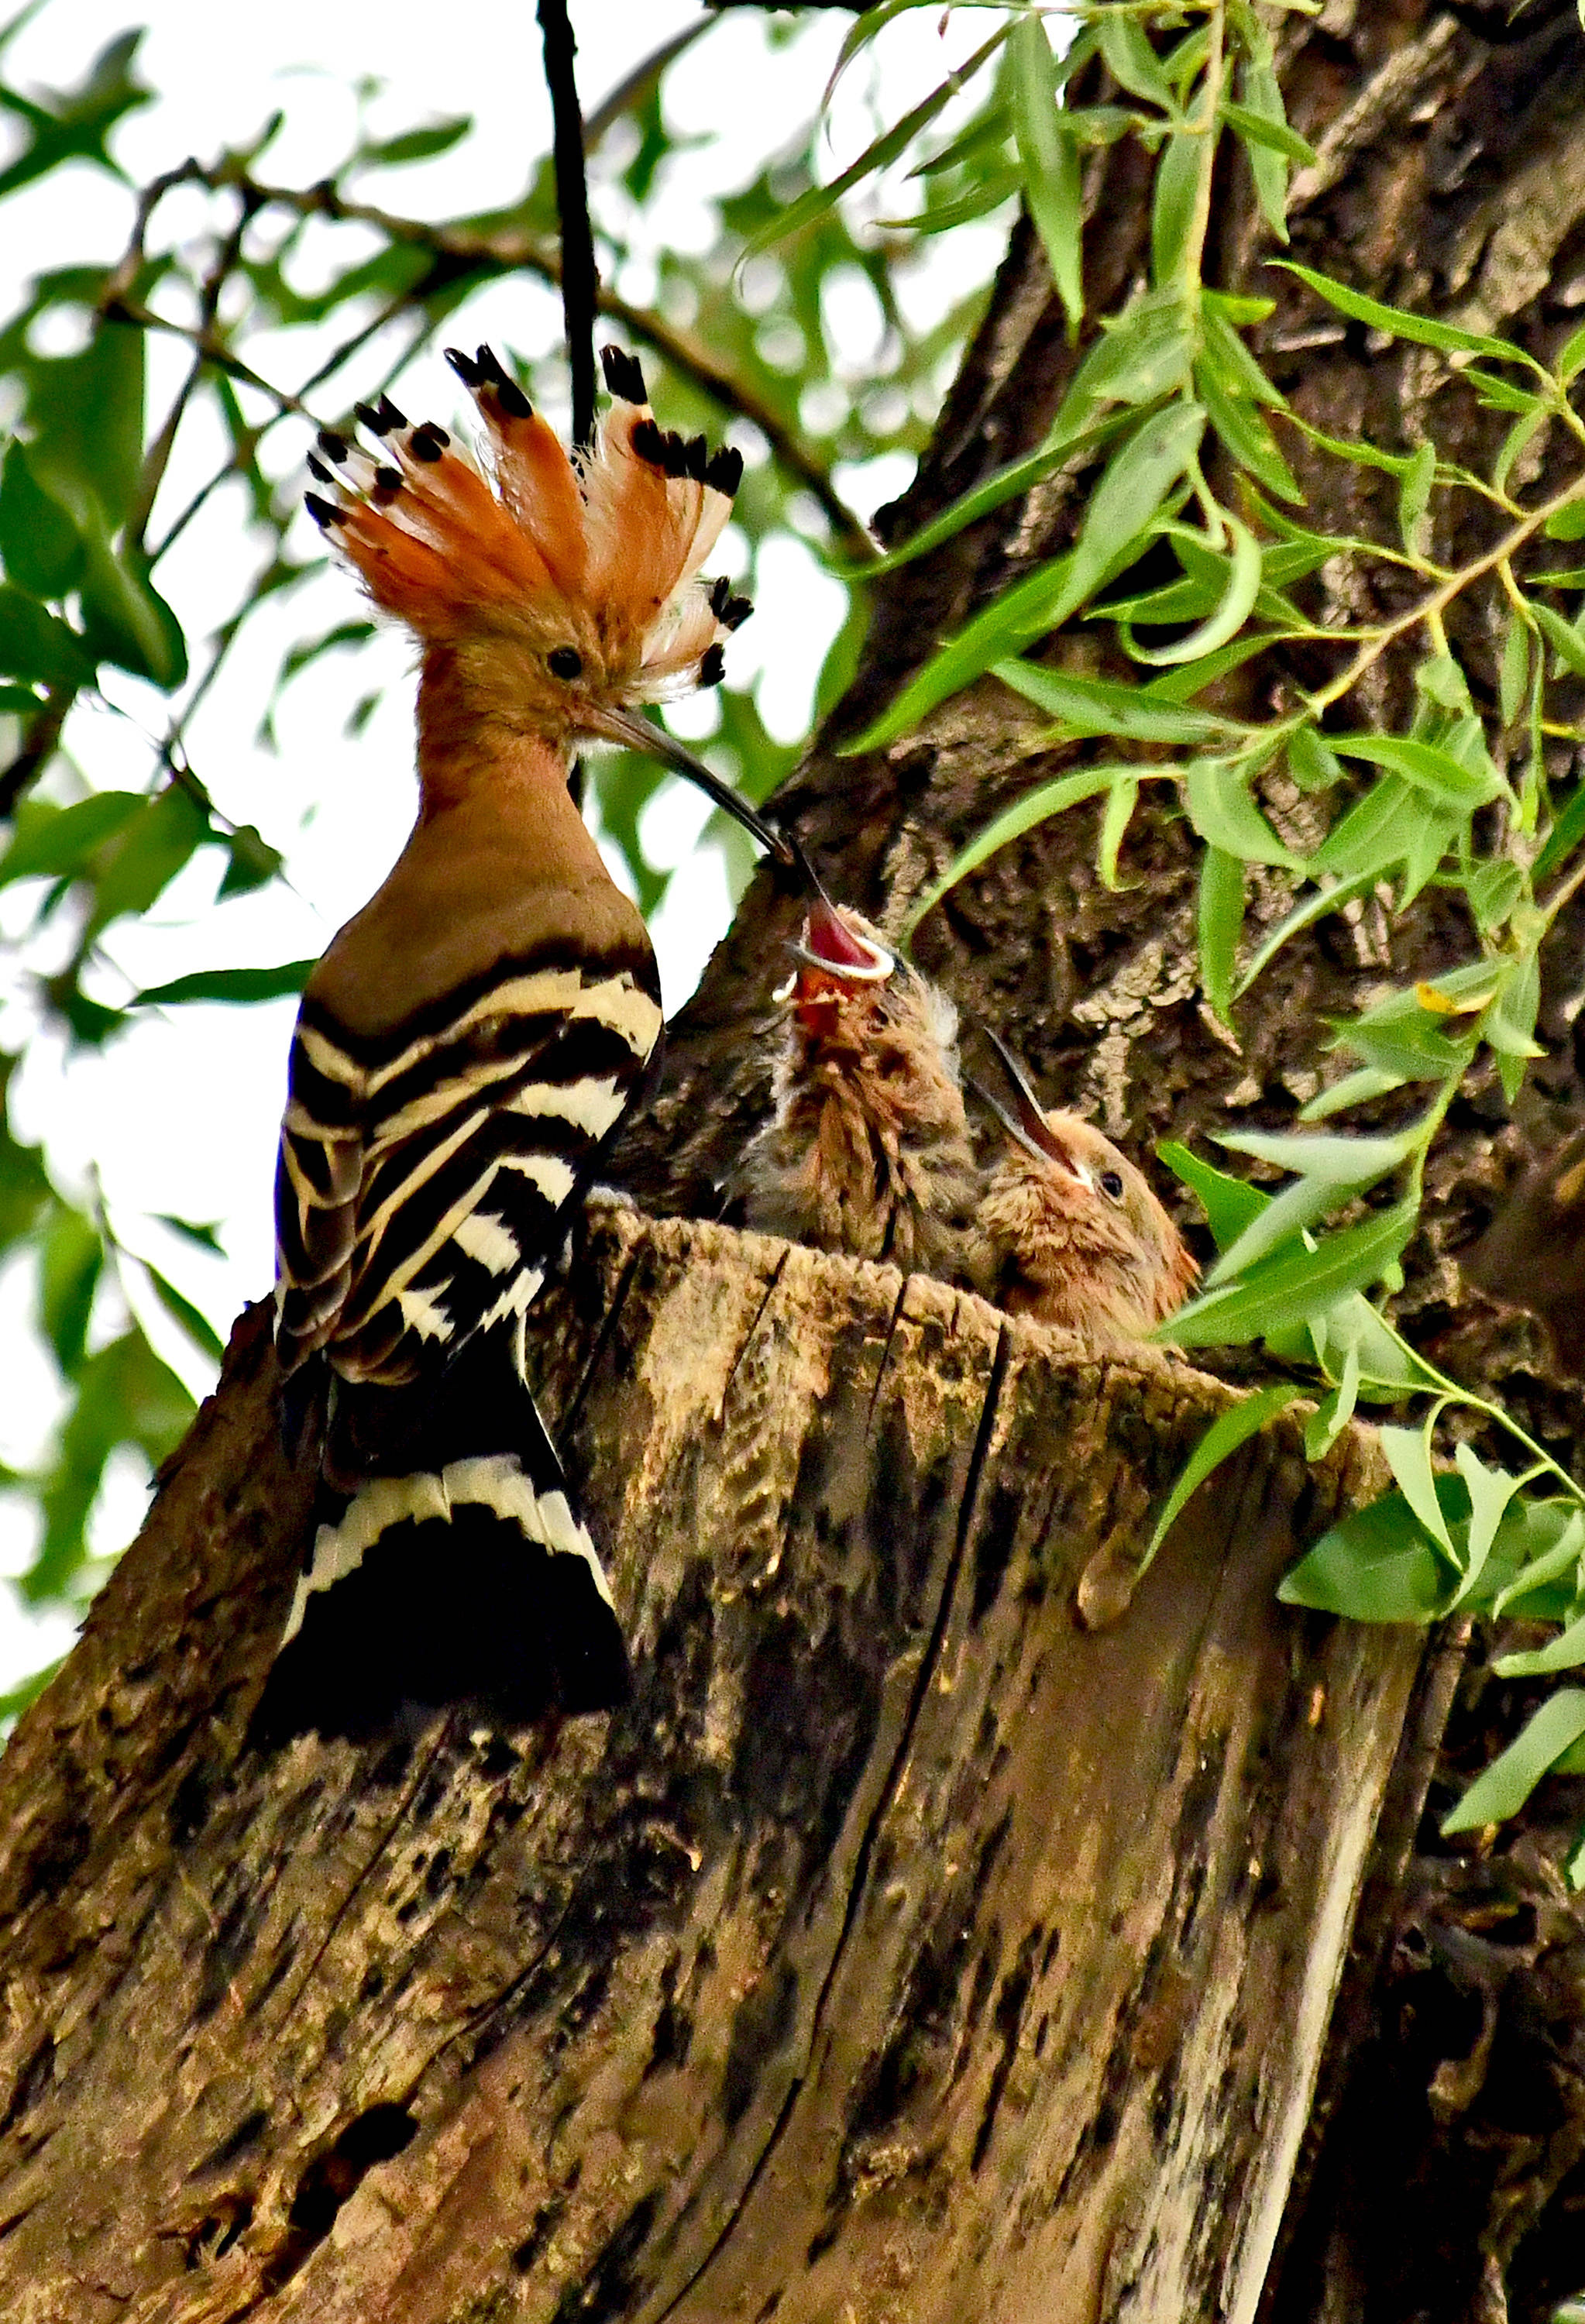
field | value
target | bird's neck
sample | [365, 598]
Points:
[464, 746]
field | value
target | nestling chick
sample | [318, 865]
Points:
[1076, 1235]
[868, 1150]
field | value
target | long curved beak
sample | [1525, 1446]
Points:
[1027, 1123]
[636, 733]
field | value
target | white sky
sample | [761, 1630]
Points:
[179, 1115]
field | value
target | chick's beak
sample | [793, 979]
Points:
[1026, 1122]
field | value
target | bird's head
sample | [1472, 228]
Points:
[562, 590]
[1101, 1210]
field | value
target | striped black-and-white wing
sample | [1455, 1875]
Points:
[424, 1170]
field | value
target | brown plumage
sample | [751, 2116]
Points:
[1073, 1233]
[868, 1150]
[470, 1041]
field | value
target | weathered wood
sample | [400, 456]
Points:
[907, 1949]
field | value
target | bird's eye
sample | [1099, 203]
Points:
[564, 661]
[1111, 1184]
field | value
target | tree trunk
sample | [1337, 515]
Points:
[947, 1928]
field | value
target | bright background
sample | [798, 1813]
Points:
[178, 1114]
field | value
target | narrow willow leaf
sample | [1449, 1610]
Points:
[1568, 522]
[1093, 705]
[1131, 60]
[1243, 586]
[1226, 1433]
[1513, 684]
[1281, 1227]
[1222, 923]
[1120, 802]
[1426, 766]
[1566, 640]
[1036, 807]
[1344, 447]
[1224, 814]
[1400, 324]
[227, 984]
[196, 1325]
[1175, 205]
[1502, 1789]
[1559, 1562]
[1293, 1288]
[1408, 1456]
[1563, 837]
[1565, 1651]
[1065, 441]
[1375, 1566]
[1501, 395]
[1145, 353]
[1244, 433]
[1138, 476]
[1257, 121]
[819, 199]
[1571, 357]
[1328, 1422]
[1367, 838]
[1313, 765]
[1230, 1204]
[1520, 436]
[1270, 131]
[1339, 1161]
[1359, 1088]
[57, 843]
[1051, 164]
[1015, 620]
[1490, 1490]
[1414, 498]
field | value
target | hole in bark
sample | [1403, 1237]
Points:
[332, 2177]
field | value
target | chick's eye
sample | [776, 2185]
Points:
[564, 661]
[1111, 1184]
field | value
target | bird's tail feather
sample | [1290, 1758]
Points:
[458, 1575]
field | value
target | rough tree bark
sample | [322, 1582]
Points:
[908, 1948]
[908, 1943]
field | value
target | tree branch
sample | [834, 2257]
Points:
[580, 278]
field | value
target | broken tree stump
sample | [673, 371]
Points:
[946, 1929]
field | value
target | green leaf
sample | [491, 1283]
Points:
[1568, 522]
[1316, 905]
[1246, 436]
[1138, 478]
[1066, 441]
[415, 144]
[1174, 206]
[1502, 1789]
[1224, 814]
[1037, 806]
[196, 1325]
[1280, 1226]
[88, 414]
[1226, 1433]
[37, 646]
[1563, 837]
[1430, 769]
[124, 618]
[1332, 1414]
[1354, 1089]
[1490, 1490]
[1145, 353]
[1243, 586]
[206, 1236]
[1337, 1161]
[1514, 683]
[1013, 621]
[1554, 1557]
[252, 862]
[125, 1396]
[1566, 640]
[1050, 162]
[1415, 499]
[57, 843]
[1565, 1651]
[1375, 1566]
[1131, 60]
[71, 1260]
[230, 984]
[1222, 924]
[1292, 1287]
[151, 852]
[1273, 132]
[1121, 799]
[1230, 1204]
[820, 200]
[1400, 324]
[1092, 706]
[39, 542]
[1408, 1455]
[67, 125]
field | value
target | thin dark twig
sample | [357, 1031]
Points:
[580, 281]
[639, 83]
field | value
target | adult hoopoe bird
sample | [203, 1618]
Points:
[1074, 1234]
[469, 1042]
[868, 1149]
